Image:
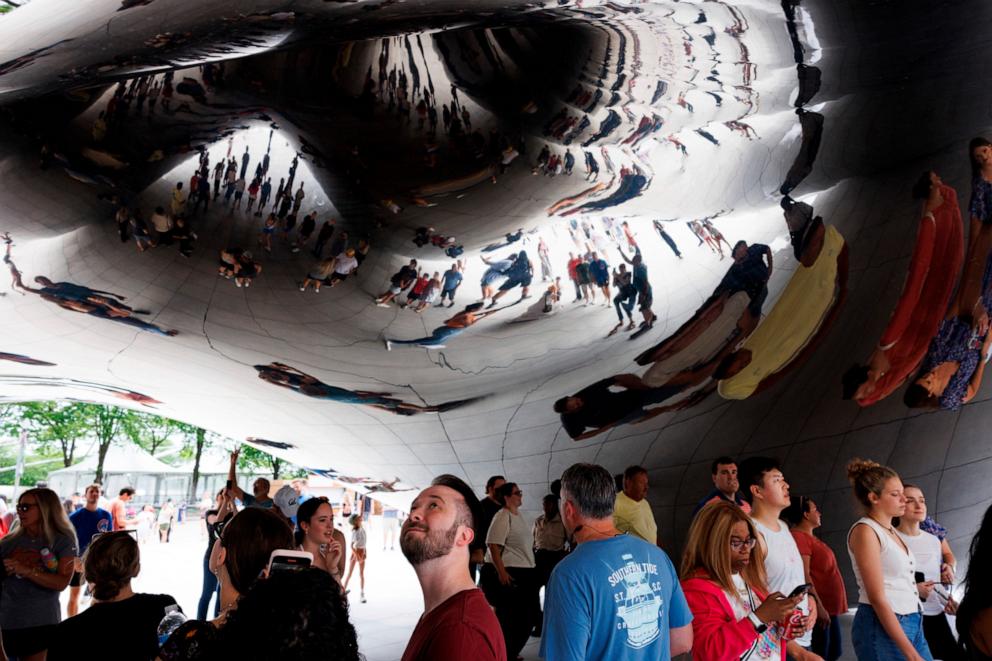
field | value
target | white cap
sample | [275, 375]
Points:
[286, 499]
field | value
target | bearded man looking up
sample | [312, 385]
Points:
[458, 622]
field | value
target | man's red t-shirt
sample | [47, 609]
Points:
[463, 627]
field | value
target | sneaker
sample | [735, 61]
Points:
[363, 597]
[384, 305]
[389, 345]
[237, 283]
[303, 288]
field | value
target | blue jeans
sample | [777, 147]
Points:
[209, 590]
[871, 643]
[827, 640]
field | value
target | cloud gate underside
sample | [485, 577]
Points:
[512, 139]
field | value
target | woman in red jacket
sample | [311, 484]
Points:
[723, 578]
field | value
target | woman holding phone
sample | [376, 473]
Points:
[723, 578]
[888, 625]
[935, 565]
[241, 553]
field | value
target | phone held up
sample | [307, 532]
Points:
[289, 560]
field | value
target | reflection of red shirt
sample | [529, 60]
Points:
[420, 285]
[823, 570]
[572, 264]
[463, 627]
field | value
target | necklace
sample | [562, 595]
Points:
[887, 527]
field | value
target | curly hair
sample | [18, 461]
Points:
[291, 616]
[868, 477]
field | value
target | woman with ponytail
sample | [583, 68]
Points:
[889, 623]
[128, 621]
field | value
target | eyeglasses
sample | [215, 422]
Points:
[517, 493]
[738, 544]
[24, 507]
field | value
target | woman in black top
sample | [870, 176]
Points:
[214, 520]
[974, 616]
[119, 624]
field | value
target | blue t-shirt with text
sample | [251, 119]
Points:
[88, 524]
[614, 599]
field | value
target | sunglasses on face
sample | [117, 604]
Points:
[25, 507]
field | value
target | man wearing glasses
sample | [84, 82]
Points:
[89, 521]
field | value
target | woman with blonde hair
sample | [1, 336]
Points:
[723, 578]
[38, 560]
[889, 623]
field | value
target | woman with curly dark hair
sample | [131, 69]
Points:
[311, 624]
[975, 611]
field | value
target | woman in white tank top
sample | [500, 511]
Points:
[888, 625]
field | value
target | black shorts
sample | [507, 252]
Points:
[27, 641]
[645, 300]
[412, 296]
[337, 277]
[76, 580]
[513, 282]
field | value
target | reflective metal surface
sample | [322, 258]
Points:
[748, 165]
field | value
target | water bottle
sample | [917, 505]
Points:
[173, 619]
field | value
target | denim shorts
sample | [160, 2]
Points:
[872, 643]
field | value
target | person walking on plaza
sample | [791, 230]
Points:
[820, 567]
[631, 511]
[457, 622]
[89, 521]
[614, 596]
[359, 547]
[889, 624]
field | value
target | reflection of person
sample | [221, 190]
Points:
[930, 280]
[283, 375]
[601, 407]
[750, 273]
[24, 360]
[520, 273]
[800, 318]
[79, 298]
[453, 326]
[953, 368]
[639, 279]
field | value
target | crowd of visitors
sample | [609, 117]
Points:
[754, 581]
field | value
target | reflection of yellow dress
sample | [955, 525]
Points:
[793, 321]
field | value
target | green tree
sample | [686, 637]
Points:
[258, 461]
[49, 424]
[106, 424]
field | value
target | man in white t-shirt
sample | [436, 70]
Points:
[765, 488]
[344, 265]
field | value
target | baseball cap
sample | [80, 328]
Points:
[287, 500]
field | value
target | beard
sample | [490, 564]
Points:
[433, 544]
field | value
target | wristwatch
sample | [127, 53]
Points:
[759, 626]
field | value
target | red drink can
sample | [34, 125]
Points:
[794, 626]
